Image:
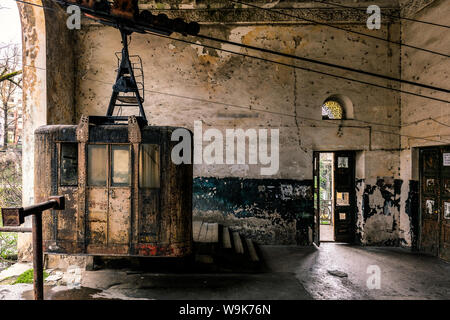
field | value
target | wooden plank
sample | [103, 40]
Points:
[251, 250]
[226, 240]
[238, 246]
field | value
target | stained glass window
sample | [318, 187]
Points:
[332, 110]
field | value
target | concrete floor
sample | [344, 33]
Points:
[326, 232]
[404, 274]
[290, 273]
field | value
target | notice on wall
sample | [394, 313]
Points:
[342, 162]
[446, 210]
[342, 198]
[429, 206]
[430, 185]
[447, 159]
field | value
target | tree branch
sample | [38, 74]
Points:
[15, 83]
[10, 75]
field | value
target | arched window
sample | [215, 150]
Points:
[332, 110]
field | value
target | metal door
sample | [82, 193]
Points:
[108, 198]
[316, 185]
[149, 194]
[444, 247]
[119, 209]
[429, 177]
[435, 201]
[97, 195]
[344, 196]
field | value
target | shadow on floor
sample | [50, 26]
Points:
[331, 271]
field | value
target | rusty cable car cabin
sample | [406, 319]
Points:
[124, 195]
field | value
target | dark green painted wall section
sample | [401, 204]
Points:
[270, 211]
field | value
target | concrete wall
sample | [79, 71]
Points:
[186, 83]
[422, 118]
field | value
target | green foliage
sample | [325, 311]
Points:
[325, 178]
[8, 245]
[27, 277]
[10, 196]
[10, 184]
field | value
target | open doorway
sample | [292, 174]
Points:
[326, 195]
[334, 196]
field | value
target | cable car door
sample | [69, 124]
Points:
[119, 204]
[108, 198]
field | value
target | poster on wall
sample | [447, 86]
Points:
[429, 185]
[447, 159]
[342, 162]
[429, 206]
[446, 210]
[342, 198]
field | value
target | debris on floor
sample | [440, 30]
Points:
[299, 273]
[338, 273]
[14, 271]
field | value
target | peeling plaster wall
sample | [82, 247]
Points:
[378, 202]
[187, 83]
[48, 88]
[420, 117]
[378, 198]
[60, 68]
[34, 103]
[271, 211]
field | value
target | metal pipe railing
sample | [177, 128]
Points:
[14, 217]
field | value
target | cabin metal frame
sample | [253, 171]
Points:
[124, 220]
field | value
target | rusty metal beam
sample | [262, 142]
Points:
[38, 266]
[14, 217]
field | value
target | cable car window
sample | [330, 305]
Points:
[97, 161]
[69, 164]
[120, 165]
[149, 166]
